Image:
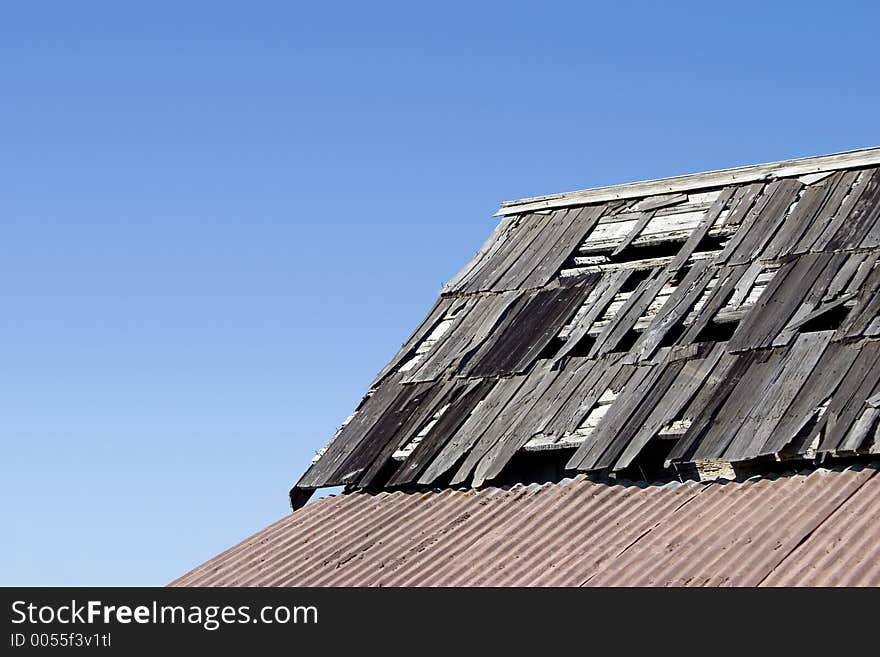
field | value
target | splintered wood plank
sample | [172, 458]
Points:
[469, 394]
[841, 186]
[812, 201]
[862, 217]
[752, 237]
[493, 265]
[467, 334]
[627, 316]
[438, 333]
[414, 401]
[708, 402]
[435, 315]
[777, 395]
[493, 275]
[657, 202]
[836, 189]
[677, 306]
[481, 418]
[870, 231]
[863, 272]
[745, 285]
[503, 231]
[636, 405]
[531, 325]
[864, 320]
[352, 433]
[605, 373]
[493, 318]
[742, 398]
[570, 375]
[821, 310]
[850, 398]
[582, 388]
[844, 276]
[634, 232]
[778, 303]
[524, 395]
[474, 357]
[580, 222]
[491, 262]
[689, 380]
[656, 398]
[741, 203]
[444, 350]
[866, 308]
[728, 278]
[366, 437]
[700, 232]
[812, 300]
[608, 287]
[414, 415]
[631, 387]
[562, 307]
[517, 432]
[549, 236]
[842, 213]
[864, 429]
[821, 384]
[744, 214]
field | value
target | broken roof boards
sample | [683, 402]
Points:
[730, 316]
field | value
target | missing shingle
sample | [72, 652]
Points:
[417, 355]
[528, 467]
[717, 332]
[402, 453]
[653, 251]
[627, 341]
[634, 280]
[552, 348]
[805, 443]
[711, 244]
[583, 346]
[673, 333]
[650, 463]
[828, 321]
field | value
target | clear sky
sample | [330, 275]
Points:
[219, 220]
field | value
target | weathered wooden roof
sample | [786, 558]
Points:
[732, 316]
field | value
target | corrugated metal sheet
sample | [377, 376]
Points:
[844, 550]
[821, 527]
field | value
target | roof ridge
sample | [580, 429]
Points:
[691, 181]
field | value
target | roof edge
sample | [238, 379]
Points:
[751, 173]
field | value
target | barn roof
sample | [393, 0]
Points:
[729, 317]
[688, 331]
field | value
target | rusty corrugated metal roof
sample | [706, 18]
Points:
[821, 527]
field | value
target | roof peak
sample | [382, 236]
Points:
[783, 169]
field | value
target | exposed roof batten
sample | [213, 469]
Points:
[785, 169]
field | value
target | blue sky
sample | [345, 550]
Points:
[219, 220]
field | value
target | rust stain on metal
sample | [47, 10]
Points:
[818, 528]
